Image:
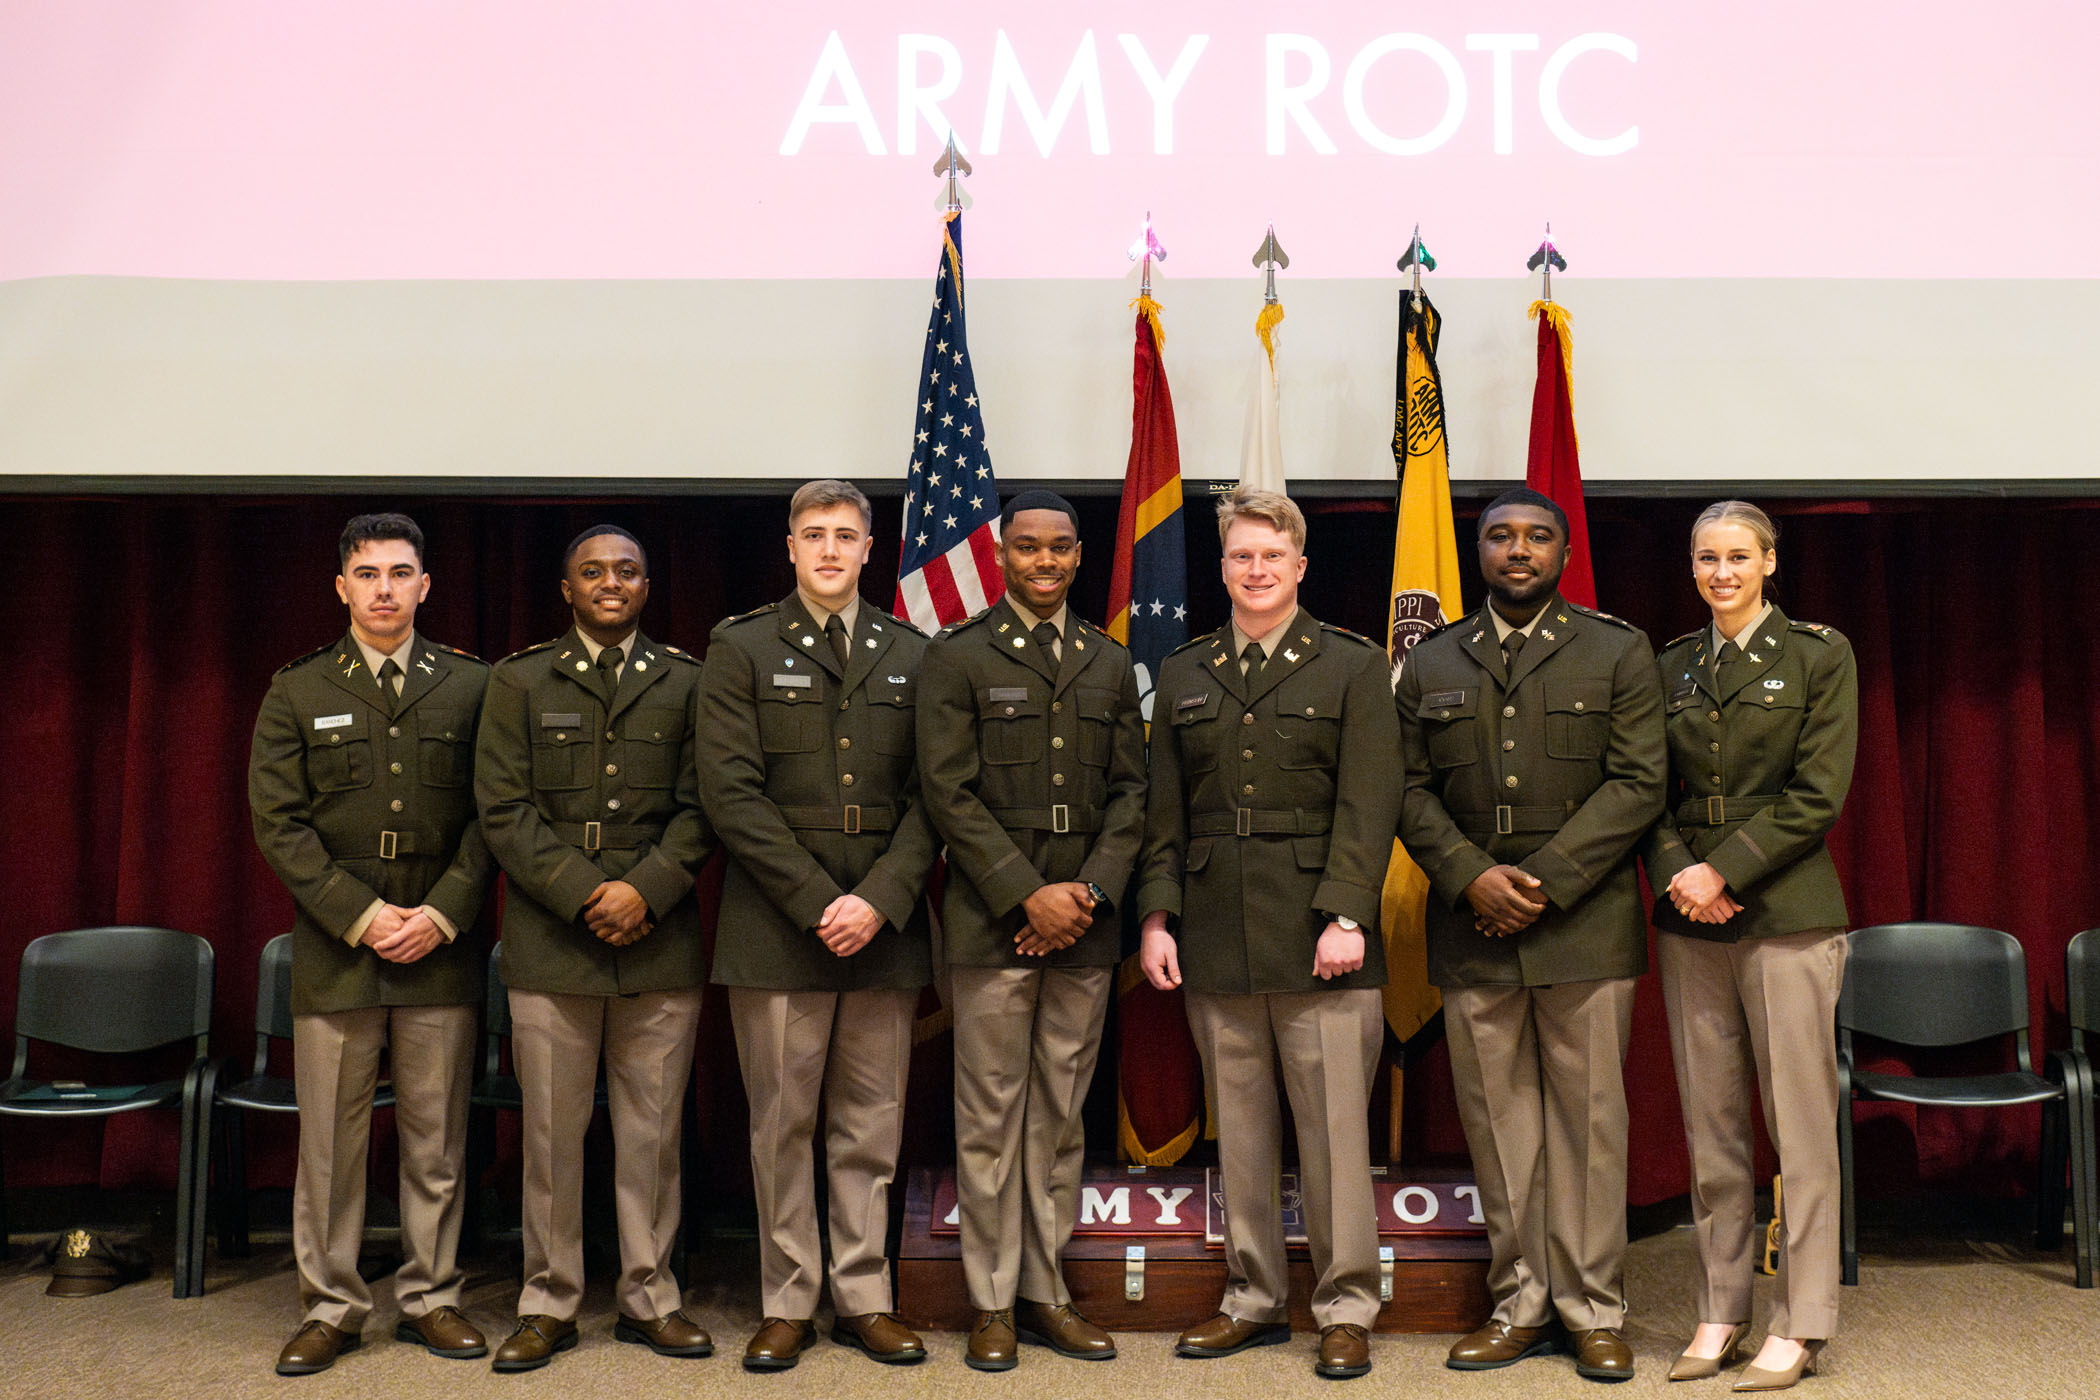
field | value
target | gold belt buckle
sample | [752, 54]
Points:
[1505, 821]
[1716, 811]
[389, 844]
[852, 825]
[593, 836]
[1245, 821]
[1060, 818]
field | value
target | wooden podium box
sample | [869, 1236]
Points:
[1148, 1255]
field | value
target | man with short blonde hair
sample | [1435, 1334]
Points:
[826, 492]
[1271, 508]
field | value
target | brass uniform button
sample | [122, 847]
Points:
[1715, 746]
[1768, 699]
[1714, 715]
[612, 738]
[1057, 707]
[612, 770]
[1717, 777]
[1578, 705]
[1249, 788]
[1246, 753]
[612, 804]
[1508, 744]
[844, 742]
[394, 768]
[1057, 780]
[395, 805]
[842, 705]
[1509, 712]
[1308, 709]
[1246, 719]
[1009, 709]
[1510, 781]
[846, 779]
[393, 731]
[335, 738]
[1057, 742]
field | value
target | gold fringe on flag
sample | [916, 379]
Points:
[1265, 327]
[1557, 316]
[1150, 309]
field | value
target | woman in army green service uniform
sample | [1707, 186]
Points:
[1762, 715]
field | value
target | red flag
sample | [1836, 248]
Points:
[1554, 469]
[1160, 1078]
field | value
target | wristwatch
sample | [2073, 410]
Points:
[1100, 895]
[1346, 924]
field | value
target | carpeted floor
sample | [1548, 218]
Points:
[1943, 1318]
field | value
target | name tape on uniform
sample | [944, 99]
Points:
[332, 721]
[795, 682]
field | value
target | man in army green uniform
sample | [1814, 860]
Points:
[1271, 816]
[807, 771]
[359, 784]
[590, 802]
[1535, 761]
[1032, 760]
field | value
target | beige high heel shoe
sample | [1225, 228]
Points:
[1688, 1367]
[1755, 1378]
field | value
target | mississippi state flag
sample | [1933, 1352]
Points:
[948, 569]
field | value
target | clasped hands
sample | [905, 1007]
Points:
[1057, 915]
[1700, 894]
[617, 913]
[402, 935]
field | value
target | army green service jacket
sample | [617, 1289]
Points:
[358, 795]
[1272, 807]
[809, 778]
[1033, 772]
[576, 788]
[1759, 769]
[1556, 769]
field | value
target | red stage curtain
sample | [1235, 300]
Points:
[141, 657]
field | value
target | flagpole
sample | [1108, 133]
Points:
[1147, 247]
[953, 198]
[1269, 257]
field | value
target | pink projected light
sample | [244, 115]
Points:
[535, 139]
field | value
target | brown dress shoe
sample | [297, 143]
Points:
[1688, 1367]
[314, 1347]
[1498, 1344]
[443, 1332]
[1345, 1352]
[881, 1336]
[1601, 1354]
[1065, 1332]
[779, 1344]
[672, 1335]
[993, 1346]
[1225, 1334]
[534, 1343]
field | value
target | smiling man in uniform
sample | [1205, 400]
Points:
[1032, 763]
[1535, 761]
[590, 801]
[807, 770]
[358, 782]
[1272, 810]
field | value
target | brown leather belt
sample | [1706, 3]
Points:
[1719, 811]
[1254, 821]
[851, 820]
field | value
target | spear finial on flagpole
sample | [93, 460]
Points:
[1149, 248]
[953, 198]
[1547, 259]
[1417, 257]
[1269, 257]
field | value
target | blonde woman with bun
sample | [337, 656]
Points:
[1762, 717]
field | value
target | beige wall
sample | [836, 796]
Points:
[1675, 380]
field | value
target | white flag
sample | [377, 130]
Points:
[1261, 449]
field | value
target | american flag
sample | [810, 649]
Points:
[949, 569]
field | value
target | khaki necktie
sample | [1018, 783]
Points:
[841, 644]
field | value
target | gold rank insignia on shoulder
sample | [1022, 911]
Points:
[1560, 617]
[1771, 641]
[565, 656]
